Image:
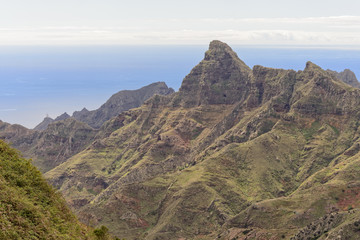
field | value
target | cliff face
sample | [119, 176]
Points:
[347, 76]
[205, 162]
[221, 78]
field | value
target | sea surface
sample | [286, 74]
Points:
[50, 80]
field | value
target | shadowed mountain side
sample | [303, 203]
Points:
[52, 146]
[47, 120]
[44, 124]
[56, 140]
[347, 76]
[119, 102]
[195, 163]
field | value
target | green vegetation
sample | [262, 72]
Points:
[29, 207]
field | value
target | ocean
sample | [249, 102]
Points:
[37, 81]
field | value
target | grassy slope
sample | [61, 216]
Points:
[29, 207]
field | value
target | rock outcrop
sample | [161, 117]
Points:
[347, 76]
[44, 124]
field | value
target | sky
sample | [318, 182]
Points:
[278, 22]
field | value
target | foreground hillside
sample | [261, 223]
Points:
[29, 207]
[237, 153]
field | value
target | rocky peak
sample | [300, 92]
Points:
[347, 76]
[220, 78]
[310, 66]
[44, 124]
[119, 102]
[80, 114]
[48, 120]
[62, 117]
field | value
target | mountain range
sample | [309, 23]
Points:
[54, 141]
[236, 153]
[119, 102]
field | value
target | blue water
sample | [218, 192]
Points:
[36, 81]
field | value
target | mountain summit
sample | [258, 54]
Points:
[220, 78]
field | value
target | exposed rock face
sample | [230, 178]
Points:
[62, 117]
[347, 76]
[47, 120]
[61, 140]
[52, 146]
[119, 102]
[221, 78]
[81, 114]
[44, 124]
[235, 154]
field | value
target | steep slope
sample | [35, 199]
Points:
[347, 76]
[188, 164]
[63, 116]
[215, 80]
[47, 120]
[29, 207]
[60, 140]
[43, 125]
[119, 102]
[52, 146]
[55, 140]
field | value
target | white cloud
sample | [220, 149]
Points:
[337, 30]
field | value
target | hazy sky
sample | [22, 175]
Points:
[279, 22]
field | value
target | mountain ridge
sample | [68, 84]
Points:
[238, 153]
[197, 158]
[118, 102]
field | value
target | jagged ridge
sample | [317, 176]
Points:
[187, 165]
